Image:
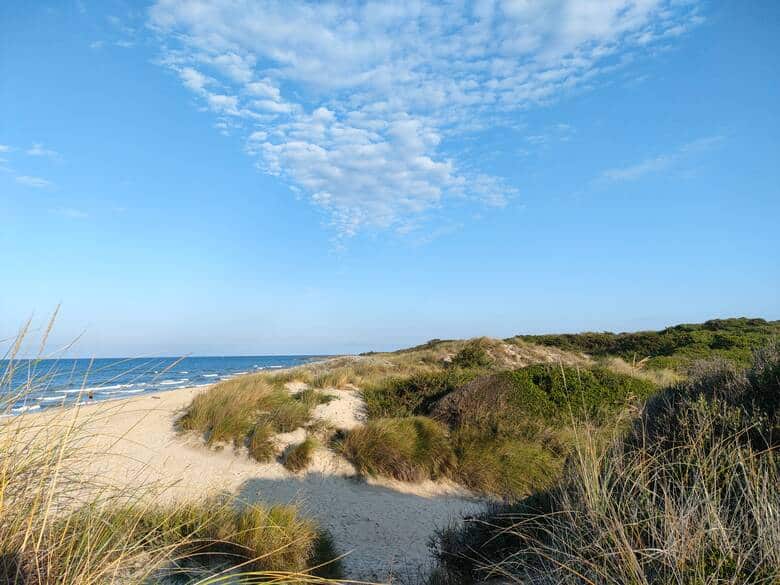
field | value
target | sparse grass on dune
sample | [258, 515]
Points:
[410, 449]
[246, 411]
[689, 495]
[300, 455]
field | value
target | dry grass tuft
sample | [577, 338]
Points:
[245, 411]
[410, 449]
[300, 455]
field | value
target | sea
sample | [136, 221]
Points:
[31, 385]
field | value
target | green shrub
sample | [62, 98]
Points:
[675, 347]
[473, 355]
[409, 449]
[689, 495]
[521, 401]
[412, 395]
[502, 466]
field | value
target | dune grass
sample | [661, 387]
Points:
[409, 449]
[60, 525]
[689, 494]
[246, 411]
[300, 455]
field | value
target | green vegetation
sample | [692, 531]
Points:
[299, 456]
[410, 449]
[473, 355]
[247, 411]
[675, 347]
[258, 538]
[505, 433]
[61, 524]
[414, 394]
[688, 494]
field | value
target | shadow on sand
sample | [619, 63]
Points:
[385, 532]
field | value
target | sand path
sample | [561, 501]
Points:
[383, 525]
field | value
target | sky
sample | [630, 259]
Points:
[192, 177]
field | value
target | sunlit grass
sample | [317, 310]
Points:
[61, 524]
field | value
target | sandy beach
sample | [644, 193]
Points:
[383, 526]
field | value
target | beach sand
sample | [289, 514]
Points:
[383, 525]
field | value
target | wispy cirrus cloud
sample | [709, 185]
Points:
[661, 162]
[34, 182]
[69, 212]
[38, 149]
[350, 102]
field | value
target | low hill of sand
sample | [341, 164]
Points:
[382, 526]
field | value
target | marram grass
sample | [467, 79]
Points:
[62, 527]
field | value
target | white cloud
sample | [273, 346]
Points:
[37, 149]
[351, 102]
[5, 148]
[69, 212]
[661, 162]
[35, 182]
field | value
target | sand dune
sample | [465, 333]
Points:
[383, 525]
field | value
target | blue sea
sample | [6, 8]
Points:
[38, 384]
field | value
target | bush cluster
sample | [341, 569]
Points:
[675, 347]
[688, 495]
[503, 433]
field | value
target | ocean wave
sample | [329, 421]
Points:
[26, 408]
[172, 382]
[211, 375]
[93, 389]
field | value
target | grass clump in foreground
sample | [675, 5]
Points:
[248, 411]
[689, 494]
[410, 449]
[60, 525]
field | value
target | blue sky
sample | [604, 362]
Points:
[235, 177]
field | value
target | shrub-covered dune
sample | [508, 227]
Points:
[675, 347]
[690, 493]
[501, 433]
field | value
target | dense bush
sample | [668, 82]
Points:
[413, 395]
[508, 431]
[674, 347]
[690, 495]
[472, 355]
[508, 402]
